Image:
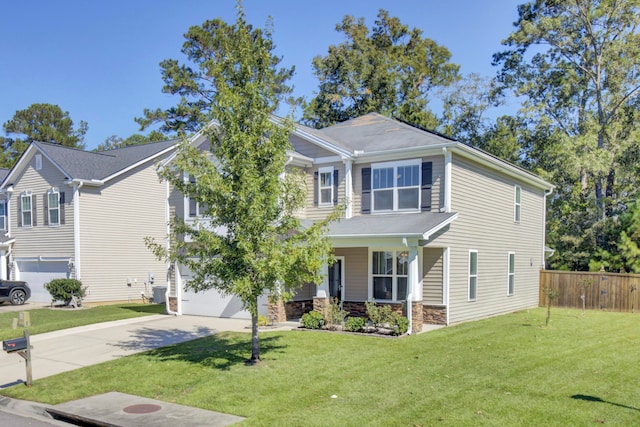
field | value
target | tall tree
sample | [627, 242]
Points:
[389, 69]
[114, 141]
[39, 122]
[576, 65]
[251, 242]
[194, 85]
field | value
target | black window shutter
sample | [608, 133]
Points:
[19, 211]
[335, 186]
[45, 204]
[316, 188]
[33, 211]
[425, 188]
[366, 191]
[61, 207]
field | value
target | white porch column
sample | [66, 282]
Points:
[414, 290]
[446, 254]
[322, 290]
[3, 265]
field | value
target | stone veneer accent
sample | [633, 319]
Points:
[417, 316]
[320, 303]
[295, 309]
[173, 304]
[277, 312]
[435, 314]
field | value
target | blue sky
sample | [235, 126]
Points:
[98, 59]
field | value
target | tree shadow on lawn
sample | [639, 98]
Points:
[202, 346]
[597, 399]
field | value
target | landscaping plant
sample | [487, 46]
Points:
[65, 289]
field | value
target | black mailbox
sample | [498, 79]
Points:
[16, 344]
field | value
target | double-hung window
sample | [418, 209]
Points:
[3, 215]
[396, 186]
[390, 275]
[325, 183]
[511, 284]
[516, 203]
[473, 275]
[53, 201]
[26, 209]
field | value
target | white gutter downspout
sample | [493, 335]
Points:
[348, 187]
[77, 185]
[547, 193]
[412, 279]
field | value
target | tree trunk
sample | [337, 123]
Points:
[255, 338]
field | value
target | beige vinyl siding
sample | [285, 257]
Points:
[305, 292]
[432, 276]
[484, 201]
[115, 218]
[308, 149]
[42, 240]
[315, 212]
[356, 280]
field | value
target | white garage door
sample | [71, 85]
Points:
[37, 273]
[211, 303]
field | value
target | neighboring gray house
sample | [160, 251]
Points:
[80, 214]
[443, 232]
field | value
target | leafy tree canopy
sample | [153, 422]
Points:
[576, 66]
[248, 240]
[39, 122]
[193, 82]
[114, 141]
[389, 69]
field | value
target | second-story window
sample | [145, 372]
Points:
[26, 210]
[396, 186]
[53, 201]
[325, 183]
[3, 215]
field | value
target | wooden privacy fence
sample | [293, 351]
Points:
[602, 290]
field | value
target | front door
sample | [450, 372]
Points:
[336, 279]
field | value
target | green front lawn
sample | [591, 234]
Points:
[47, 320]
[504, 371]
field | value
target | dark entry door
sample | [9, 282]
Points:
[335, 280]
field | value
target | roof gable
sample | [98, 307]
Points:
[84, 165]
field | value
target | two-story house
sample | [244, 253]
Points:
[72, 213]
[443, 232]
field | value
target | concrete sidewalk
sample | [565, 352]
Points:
[69, 349]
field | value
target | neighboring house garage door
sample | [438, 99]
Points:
[211, 303]
[37, 273]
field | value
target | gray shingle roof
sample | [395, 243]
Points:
[375, 132]
[4, 173]
[80, 164]
[401, 225]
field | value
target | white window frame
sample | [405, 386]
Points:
[53, 192]
[3, 215]
[188, 200]
[393, 274]
[328, 171]
[517, 203]
[24, 196]
[511, 274]
[395, 165]
[38, 161]
[472, 277]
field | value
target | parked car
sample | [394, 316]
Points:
[14, 291]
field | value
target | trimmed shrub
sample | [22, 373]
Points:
[333, 314]
[312, 320]
[65, 289]
[379, 314]
[400, 325]
[354, 324]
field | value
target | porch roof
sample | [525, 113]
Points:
[413, 225]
